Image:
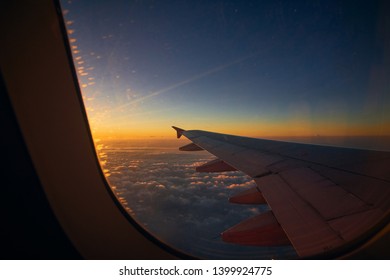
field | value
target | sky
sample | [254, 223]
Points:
[252, 68]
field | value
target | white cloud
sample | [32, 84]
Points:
[184, 208]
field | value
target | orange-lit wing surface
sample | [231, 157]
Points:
[323, 198]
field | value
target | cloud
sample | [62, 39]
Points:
[186, 209]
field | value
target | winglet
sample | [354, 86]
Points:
[179, 131]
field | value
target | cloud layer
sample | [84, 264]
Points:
[186, 209]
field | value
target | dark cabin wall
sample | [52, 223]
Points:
[28, 227]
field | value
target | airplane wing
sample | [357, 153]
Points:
[322, 198]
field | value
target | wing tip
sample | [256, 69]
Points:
[179, 131]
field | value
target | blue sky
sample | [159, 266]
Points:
[246, 67]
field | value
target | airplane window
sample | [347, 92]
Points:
[303, 71]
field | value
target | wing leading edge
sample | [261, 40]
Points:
[322, 198]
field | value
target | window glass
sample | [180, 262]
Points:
[309, 71]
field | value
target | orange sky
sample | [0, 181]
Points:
[295, 128]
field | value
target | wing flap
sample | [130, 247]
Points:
[329, 199]
[374, 192]
[309, 233]
[351, 226]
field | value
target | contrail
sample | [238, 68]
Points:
[190, 80]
